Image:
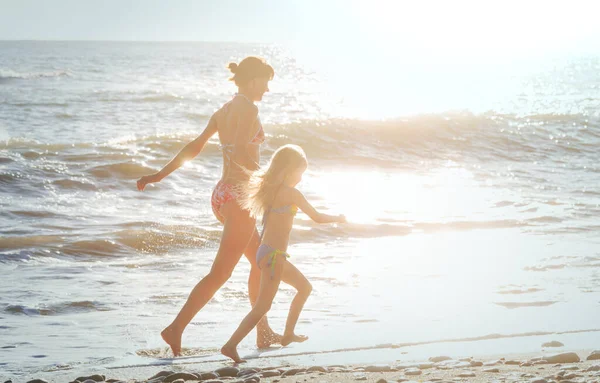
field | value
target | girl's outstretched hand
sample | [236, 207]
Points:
[342, 218]
[145, 180]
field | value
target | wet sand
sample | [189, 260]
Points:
[564, 367]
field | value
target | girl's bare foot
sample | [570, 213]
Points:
[172, 337]
[287, 339]
[231, 352]
[266, 338]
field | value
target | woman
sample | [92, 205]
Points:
[240, 134]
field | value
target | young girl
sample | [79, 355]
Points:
[271, 193]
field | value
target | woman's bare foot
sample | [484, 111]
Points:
[287, 339]
[172, 337]
[266, 338]
[231, 352]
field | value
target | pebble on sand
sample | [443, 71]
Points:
[381, 368]
[559, 368]
[95, 378]
[293, 371]
[491, 370]
[436, 359]
[207, 376]
[161, 374]
[227, 371]
[567, 357]
[179, 375]
[270, 373]
[412, 371]
[595, 355]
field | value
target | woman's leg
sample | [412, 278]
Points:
[269, 284]
[236, 234]
[293, 277]
[265, 336]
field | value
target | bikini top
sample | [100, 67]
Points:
[286, 209]
[259, 136]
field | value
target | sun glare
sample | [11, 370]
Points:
[380, 197]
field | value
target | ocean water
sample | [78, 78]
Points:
[473, 199]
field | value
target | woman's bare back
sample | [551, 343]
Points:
[237, 122]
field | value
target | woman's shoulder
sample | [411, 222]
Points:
[235, 109]
[243, 107]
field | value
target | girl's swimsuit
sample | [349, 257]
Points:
[265, 250]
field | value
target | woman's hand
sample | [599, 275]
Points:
[145, 180]
[342, 218]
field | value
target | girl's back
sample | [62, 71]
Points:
[279, 219]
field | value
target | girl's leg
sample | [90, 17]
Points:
[269, 284]
[238, 230]
[292, 276]
[265, 337]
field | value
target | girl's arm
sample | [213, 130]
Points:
[299, 200]
[188, 152]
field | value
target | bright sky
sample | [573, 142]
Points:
[419, 26]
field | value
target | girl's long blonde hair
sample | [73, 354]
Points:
[263, 185]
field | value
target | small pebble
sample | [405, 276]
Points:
[567, 357]
[491, 370]
[570, 368]
[412, 371]
[247, 372]
[163, 373]
[381, 368]
[595, 355]
[179, 375]
[293, 371]
[227, 371]
[436, 359]
[270, 373]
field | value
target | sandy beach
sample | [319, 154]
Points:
[569, 367]
[493, 360]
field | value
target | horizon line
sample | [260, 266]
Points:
[138, 41]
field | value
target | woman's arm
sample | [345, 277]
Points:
[299, 200]
[188, 152]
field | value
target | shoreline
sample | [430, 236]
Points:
[565, 367]
[390, 363]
